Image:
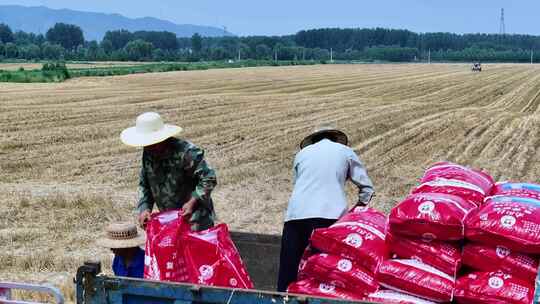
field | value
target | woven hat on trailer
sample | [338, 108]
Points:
[122, 235]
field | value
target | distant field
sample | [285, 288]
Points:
[32, 66]
[65, 172]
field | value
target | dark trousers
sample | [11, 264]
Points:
[294, 240]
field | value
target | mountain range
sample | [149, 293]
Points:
[39, 19]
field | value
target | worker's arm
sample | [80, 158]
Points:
[358, 175]
[146, 199]
[204, 174]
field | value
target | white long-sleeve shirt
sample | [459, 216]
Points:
[320, 173]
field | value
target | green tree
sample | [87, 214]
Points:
[69, 36]
[52, 51]
[119, 38]
[2, 50]
[139, 50]
[30, 52]
[92, 50]
[262, 51]
[6, 35]
[196, 43]
[107, 46]
[11, 50]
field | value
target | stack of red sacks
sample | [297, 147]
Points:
[344, 258]
[426, 231]
[177, 254]
[504, 248]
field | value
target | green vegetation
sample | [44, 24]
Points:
[66, 42]
[50, 72]
[57, 72]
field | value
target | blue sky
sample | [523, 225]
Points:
[279, 17]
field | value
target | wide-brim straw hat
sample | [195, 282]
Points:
[149, 130]
[326, 130]
[122, 235]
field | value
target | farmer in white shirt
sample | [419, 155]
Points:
[321, 168]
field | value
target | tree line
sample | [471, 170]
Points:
[66, 41]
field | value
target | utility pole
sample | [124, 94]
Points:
[303, 54]
[532, 56]
[239, 56]
[331, 55]
[429, 56]
[275, 54]
[502, 28]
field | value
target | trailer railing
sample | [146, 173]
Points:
[7, 287]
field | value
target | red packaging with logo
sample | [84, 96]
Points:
[359, 235]
[417, 279]
[341, 272]
[469, 184]
[512, 222]
[213, 260]
[493, 288]
[444, 256]
[517, 189]
[430, 216]
[164, 260]
[489, 258]
[394, 297]
[313, 287]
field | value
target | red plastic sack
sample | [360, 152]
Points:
[417, 279]
[163, 259]
[319, 289]
[512, 222]
[493, 288]
[309, 252]
[341, 272]
[444, 256]
[430, 216]
[213, 260]
[488, 258]
[359, 235]
[517, 189]
[469, 184]
[394, 297]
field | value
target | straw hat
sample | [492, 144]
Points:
[149, 130]
[326, 130]
[121, 235]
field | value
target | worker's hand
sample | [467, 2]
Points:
[360, 204]
[144, 217]
[188, 208]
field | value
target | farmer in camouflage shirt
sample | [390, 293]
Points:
[174, 173]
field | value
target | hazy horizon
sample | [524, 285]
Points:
[244, 17]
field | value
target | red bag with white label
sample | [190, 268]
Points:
[417, 279]
[493, 288]
[444, 256]
[469, 184]
[163, 259]
[213, 260]
[430, 216]
[512, 222]
[341, 272]
[359, 235]
[309, 252]
[313, 287]
[394, 297]
[489, 258]
[517, 189]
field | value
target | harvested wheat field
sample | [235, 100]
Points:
[65, 173]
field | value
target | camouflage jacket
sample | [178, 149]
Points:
[170, 181]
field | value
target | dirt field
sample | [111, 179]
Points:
[65, 173]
